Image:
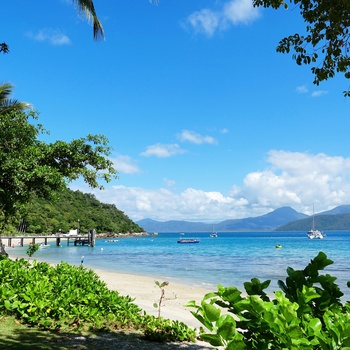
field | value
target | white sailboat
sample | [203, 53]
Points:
[313, 233]
[213, 233]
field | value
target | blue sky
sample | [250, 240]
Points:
[207, 121]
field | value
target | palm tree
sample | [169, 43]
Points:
[6, 103]
[88, 9]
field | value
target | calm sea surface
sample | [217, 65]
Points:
[230, 259]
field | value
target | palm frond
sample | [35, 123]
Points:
[7, 104]
[88, 9]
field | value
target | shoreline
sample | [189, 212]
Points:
[144, 291]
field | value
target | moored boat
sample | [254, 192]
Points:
[213, 233]
[187, 240]
[313, 233]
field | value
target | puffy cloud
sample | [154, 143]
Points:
[319, 93]
[233, 12]
[193, 137]
[204, 21]
[163, 151]
[125, 165]
[240, 11]
[53, 36]
[163, 204]
[298, 180]
[290, 179]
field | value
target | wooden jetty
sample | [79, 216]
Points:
[85, 239]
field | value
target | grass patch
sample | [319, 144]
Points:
[16, 336]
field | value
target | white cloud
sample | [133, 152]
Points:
[302, 89]
[298, 180]
[240, 11]
[204, 21]
[290, 179]
[193, 137]
[124, 164]
[319, 93]
[163, 204]
[53, 36]
[233, 12]
[163, 151]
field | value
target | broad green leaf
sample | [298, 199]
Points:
[227, 330]
[236, 345]
[211, 312]
[7, 305]
[314, 326]
[309, 294]
[212, 339]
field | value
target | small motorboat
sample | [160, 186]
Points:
[42, 245]
[187, 240]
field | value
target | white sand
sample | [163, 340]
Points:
[146, 293]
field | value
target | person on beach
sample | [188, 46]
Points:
[82, 260]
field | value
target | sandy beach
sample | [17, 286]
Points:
[146, 293]
[144, 290]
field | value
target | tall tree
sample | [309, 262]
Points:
[30, 166]
[326, 42]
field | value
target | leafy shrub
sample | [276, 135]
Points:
[73, 296]
[306, 314]
[32, 249]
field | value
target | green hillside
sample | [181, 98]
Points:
[338, 222]
[76, 210]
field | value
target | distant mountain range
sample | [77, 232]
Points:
[281, 219]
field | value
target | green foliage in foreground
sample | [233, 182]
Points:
[32, 249]
[307, 314]
[68, 296]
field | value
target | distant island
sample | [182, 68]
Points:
[281, 219]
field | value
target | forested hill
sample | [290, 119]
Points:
[73, 210]
[322, 223]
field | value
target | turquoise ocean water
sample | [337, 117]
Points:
[230, 259]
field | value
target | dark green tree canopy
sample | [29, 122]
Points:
[29, 166]
[326, 41]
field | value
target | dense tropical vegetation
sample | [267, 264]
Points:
[30, 167]
[73, 297]
[306, 314]
[74, 210]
